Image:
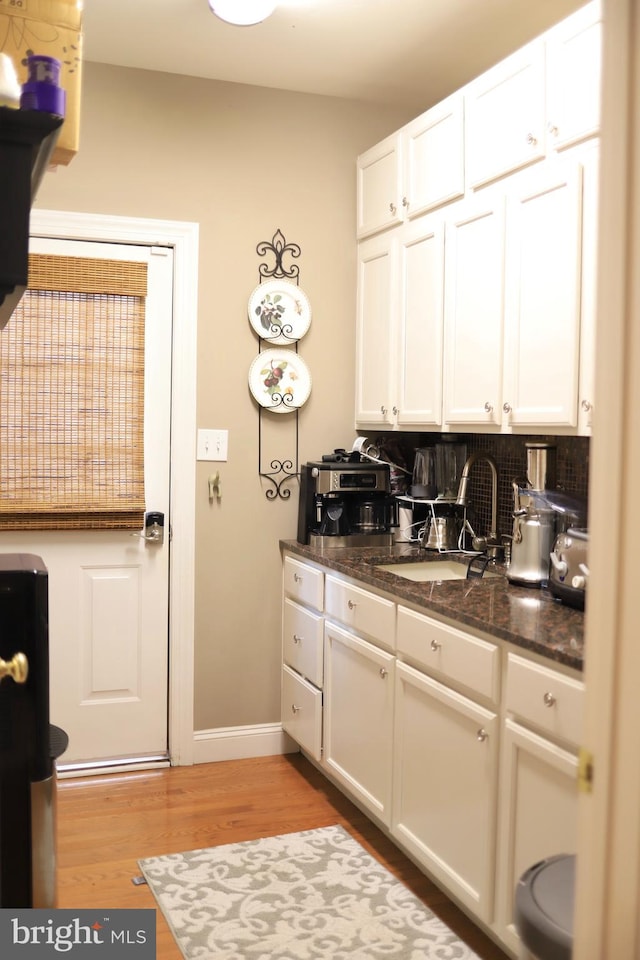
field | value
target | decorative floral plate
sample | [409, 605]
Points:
[280, 380]
[279, 312]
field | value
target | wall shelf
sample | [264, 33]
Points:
[27, 139]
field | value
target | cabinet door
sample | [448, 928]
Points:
[574, 59]
[358, 718]
[375, 329]
[379, 189]
[590, 207]
[542, 298]
[433, 148]
[505, 116]
[421, 321]
[474, 312]
[444, 793]
[538, 807]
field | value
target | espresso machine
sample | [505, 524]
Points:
[346, 502]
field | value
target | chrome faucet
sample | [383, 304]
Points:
[462, 499]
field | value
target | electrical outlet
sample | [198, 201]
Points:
[212, 444]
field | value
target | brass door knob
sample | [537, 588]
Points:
[17, 668]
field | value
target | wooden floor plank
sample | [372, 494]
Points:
[106, 823]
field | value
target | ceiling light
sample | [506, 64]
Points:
[243, 13]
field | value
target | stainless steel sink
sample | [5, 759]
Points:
[425, 570]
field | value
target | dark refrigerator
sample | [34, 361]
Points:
[29, 744]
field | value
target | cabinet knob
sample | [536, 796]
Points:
[549, 699]
[384, 673]
[586, 405]
[482, 735]
[294, 708]
[435, 645]
[383, 411]
[506, 407]
[297, 578]
[553, 130]
[351, 604]
[405, 203]
[531, 140]
[17, 668]
[296, 638]
[395, 410]
[392, 209]
[488, 407]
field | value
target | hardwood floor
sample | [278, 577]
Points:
[104, 824]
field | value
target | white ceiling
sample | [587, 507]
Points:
[407, 53]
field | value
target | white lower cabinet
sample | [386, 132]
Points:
[358, 718]
[444, 786]
[537, 813]
[466, 753]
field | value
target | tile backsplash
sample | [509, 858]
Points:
[508, 451]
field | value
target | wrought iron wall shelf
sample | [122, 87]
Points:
[284, 330]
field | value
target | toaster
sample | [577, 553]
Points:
[569, 571]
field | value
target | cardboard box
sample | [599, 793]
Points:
[52, 28]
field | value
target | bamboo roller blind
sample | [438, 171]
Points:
[72, 398]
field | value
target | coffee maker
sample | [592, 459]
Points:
[345, 503]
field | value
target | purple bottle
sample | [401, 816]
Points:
[42, 90]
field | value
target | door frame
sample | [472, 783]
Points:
[183, 237]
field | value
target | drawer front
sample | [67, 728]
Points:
[302, 641]
[363, 612]
[449, 653]
[302, 712]
[546, 698]
[303, 583]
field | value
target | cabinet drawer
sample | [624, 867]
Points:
[302, 712]
[546, 698]
[364, 612]
[449, 653]
[303, 583]
[302, 641]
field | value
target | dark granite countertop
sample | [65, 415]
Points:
[528, 617]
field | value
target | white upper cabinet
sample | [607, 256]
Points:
[542, 297]
[505, 116]
[414, 170]
[574, 57]
[379, 186]
[400, 326]
[433, 151]
[375, 330]
[474, 312]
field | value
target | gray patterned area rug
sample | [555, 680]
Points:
[315, 895]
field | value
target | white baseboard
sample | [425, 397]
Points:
[239, 743]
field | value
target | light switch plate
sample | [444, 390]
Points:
[212, 445]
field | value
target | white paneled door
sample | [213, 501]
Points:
[109, 590]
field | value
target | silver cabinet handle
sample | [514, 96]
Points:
[488, 407]
[506, 407]
[296, 638]
[553, 130]
[383, 411]
[351, 604]
[384, 673]
[294, 708]
[531, 140]
[586, 405]
[482, 735]
[435, 645]
[395, 411]
[405, 202]
[549, 699]
[393, 209]
[297, 578]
